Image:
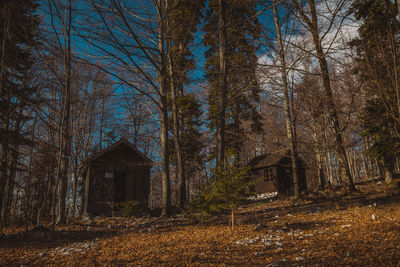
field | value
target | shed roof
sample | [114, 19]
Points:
[269, 159]
[114, 146]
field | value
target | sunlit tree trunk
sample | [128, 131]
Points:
[286, 108]
[162, 78]
[65, 126]
[317, 151]
[223, 86]
[176, 129]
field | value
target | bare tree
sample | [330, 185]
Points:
[286, 107]
[223, 85]
[309, 16]
[133, 39]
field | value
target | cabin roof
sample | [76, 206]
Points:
[114, 146]
[269, 159]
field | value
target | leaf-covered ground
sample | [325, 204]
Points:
[326, 230]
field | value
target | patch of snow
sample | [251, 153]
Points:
[346, 226]
[247, 241]
[267, 240]
[267, 243]
[73, 248]
[263, 196]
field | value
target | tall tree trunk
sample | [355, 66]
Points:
[4, 123]
[356, 165]
[176, 126]
[85, 197]
[398, 9]
[65, 128]
[101, 122]
[286, 108]
[317, 151]
[4, 169]
[223, 86]
[332, 113]
[327, 170]
[165, 176]
[74, 192]
[12, 177]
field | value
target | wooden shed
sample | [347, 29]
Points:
[116, 174]
[273, 173]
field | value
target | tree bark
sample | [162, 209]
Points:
[286, 108]
[317, 151]
[165, 176]
[65, 127]
[223, 86]
[398, 9]
[74, 193]
[86, 194]
[176, 128]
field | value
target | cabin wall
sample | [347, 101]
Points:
[263, 186]
[282, 182]
[129, 168]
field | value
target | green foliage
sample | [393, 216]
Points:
[183, 21]
[377, 66]
[379, 128]
[190, 115]
[225, 191]
[129, 208]
[19, 33]
[242, 31]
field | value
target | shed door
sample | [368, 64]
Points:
[119, 186]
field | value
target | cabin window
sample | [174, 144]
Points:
[108, 175]
[268, 175]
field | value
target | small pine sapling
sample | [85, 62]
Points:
[226, 191]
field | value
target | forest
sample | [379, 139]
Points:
[200, 88]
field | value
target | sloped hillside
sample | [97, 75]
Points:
[326, 229]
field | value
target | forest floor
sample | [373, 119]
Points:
[327, 229]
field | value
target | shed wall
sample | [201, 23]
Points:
[122, 162]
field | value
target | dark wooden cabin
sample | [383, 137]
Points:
[116, 174]
[273, 173]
